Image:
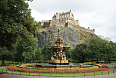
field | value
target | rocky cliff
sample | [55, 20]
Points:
[71, 37]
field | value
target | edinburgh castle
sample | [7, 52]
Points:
[66, 20]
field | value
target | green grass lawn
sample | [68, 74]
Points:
[106, 62]
[8, 63]
[110, 67]
[46, 74]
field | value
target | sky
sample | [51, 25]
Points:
[96, 14]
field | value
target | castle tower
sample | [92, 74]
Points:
[70, 14]
[57, 16]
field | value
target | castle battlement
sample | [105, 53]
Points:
[66, 20]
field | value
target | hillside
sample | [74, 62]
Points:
[71, 37]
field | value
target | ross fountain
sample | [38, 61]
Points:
[58, 59]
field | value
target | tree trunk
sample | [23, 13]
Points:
[109, 60]
[9, 61]
[83, 59]
[97, 61]
[21, 61]
[3, 63]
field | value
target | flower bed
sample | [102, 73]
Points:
[65, 71]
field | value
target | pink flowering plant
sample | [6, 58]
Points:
[58, 71]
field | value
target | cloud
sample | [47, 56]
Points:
[96, 14]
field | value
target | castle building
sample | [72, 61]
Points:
[65, 17]
[66, 20]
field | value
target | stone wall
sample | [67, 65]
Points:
[68, 24]
[61, 23]
[79, 28]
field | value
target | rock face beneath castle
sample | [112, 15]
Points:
[70, 36]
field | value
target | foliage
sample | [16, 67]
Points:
[79, 53]
[96, 47]
[38, 54]
[26, 49]
[47, 53]
[3, 53]
[110, 51]
[15, 20]
[63, 29]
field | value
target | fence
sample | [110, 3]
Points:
[56, 75]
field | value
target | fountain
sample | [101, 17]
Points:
[58, 59]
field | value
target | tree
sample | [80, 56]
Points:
[96, 47]
[15, 20]
[26, 49]
[68, 54]
[3, 51]
[79, 53]
[39, 55]
[110, 51]
[47, 53]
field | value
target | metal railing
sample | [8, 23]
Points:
[50, 74]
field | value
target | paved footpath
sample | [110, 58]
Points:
[24, 76]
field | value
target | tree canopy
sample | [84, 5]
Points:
[79, 52]
[15, 20]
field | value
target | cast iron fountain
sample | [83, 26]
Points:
[58, 59]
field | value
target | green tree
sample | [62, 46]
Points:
[96, 48]
[47, 53]
[15, 20]
[39, 54]
[67, 53]
[26, 49]
[3, 52]
[79, 52]
[110, 51]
